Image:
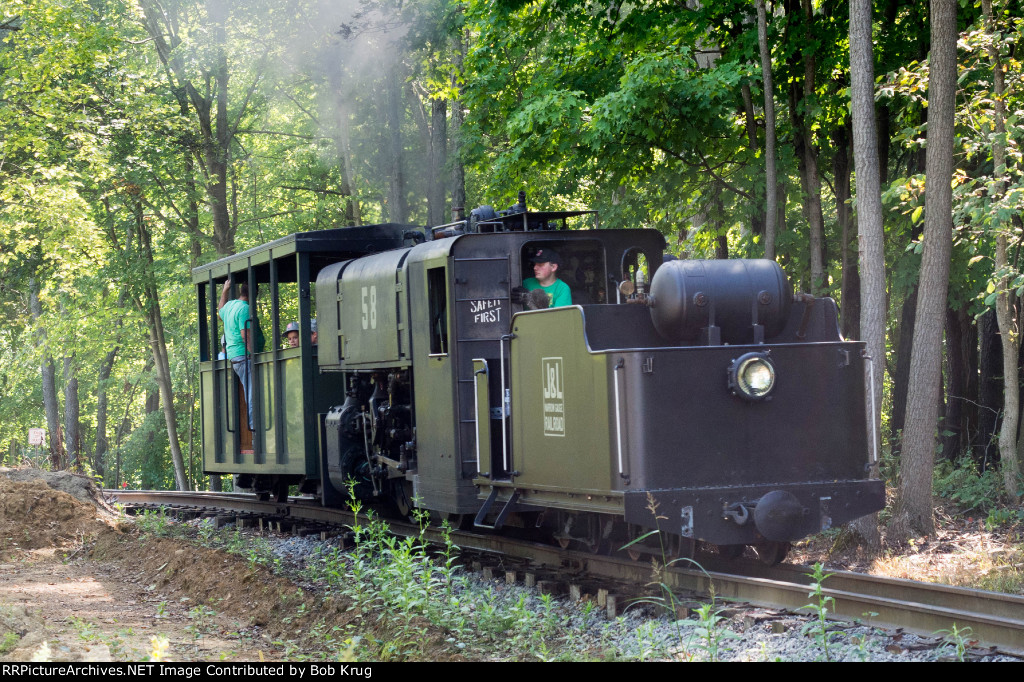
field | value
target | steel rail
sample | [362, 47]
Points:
[994, 619]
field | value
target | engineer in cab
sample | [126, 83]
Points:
[545, 277]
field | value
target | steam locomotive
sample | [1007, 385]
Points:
[699, 398]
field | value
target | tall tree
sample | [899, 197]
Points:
[397, 206]
[171, 26]
[913, 513]
[802, 106]
[1006, 301]
[771, 175]
[51, 407]
[148, 304]
[869, 224]
[72, 407]
[458, 179]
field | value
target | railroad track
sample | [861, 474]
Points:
[995, 619]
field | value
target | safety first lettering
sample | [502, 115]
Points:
[486, 310]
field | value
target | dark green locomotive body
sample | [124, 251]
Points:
[658, 423]
[430, 380]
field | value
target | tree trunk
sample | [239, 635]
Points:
[810, 177]
[990, 394]
[50, 406]
[163, 24]
[72, 427]
[782, 194]
[102, 444]
[771, 202]
[722, 240]
[869, 232]
[150, 308]
[343, 145]
[217, 142]
[913, 513]
[850, 286]
[438, 160]
[757, 211]
[398, 210]
[458, 179]
[901, 375]
[952, 429]
[1006, 299]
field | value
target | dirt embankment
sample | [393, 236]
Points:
[79, 583]
[47, 510]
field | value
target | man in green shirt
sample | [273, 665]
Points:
[242, 336]
[545, 276]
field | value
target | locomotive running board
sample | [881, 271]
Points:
[500, 521]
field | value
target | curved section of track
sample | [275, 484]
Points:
[995, 619]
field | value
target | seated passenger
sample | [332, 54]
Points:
[312, 326]
[545, 270]
[291, 335]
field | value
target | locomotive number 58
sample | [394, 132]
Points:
[369, 299]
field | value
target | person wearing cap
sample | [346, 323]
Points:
[291, 335]
[546, 262]
[312, 327]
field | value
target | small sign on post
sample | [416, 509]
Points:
[36, 436]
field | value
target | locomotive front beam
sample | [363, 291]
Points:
[745, 515]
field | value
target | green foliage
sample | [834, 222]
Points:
[711, 631]
[964, 484]
[8, 642]
[145, 457]
[958, 639]
[154, 522]
[602, 112]
[820, 607]
[1003, 517]
[980, 208]
[201, 618]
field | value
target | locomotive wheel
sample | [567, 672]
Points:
[771, 553]
[684, 548]
[731, 551]
[402, 505]
[461, 521]
[456, 521]
[400, 498]
[280, 491]
[564, 542]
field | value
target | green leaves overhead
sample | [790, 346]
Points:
[608, 104]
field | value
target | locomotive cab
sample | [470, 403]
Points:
[432, 322]
[733, 409]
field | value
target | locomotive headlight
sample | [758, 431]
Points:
[752, 376]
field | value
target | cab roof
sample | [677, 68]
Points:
[339, 243]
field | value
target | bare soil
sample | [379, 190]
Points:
[79, 584]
